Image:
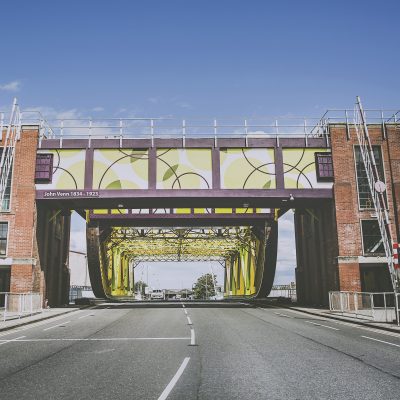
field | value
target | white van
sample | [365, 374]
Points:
[157, 294]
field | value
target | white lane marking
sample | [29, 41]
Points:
[346, 323]
[185, 311]
[55, 326]
[183, 305]
[47, 321]
[325, 326]
[192, 337]
[382, 341]
[97, 339]
[366, 328]
[189, 320]
[175, 379]
[87, 315]
[11, 340]
[282, 315]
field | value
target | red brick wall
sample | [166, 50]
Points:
[349, 277]
[348, 214]
[22, 215]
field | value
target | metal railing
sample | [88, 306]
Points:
[17, 305]
[373, 306]
[172, 128]
[12, 134]
[376, 187]
[286, 291]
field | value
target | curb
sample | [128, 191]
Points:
[7, 328]
[357, 322]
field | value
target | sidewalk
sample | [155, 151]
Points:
[329, 314]
[326, 313]
[45, 314]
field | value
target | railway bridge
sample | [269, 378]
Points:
[158, 190]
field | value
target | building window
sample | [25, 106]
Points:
[44, 168]
[364, 194]
[372, 239]
[324, 165]
[7, 193]
[3, 238]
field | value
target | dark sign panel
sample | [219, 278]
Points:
[63, 194]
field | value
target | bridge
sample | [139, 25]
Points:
[165, 190]
[200, 196]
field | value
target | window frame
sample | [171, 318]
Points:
[8, 210]
[317, 164]
[6, 239]
[356, 176]
[51, 165]
[366, 254]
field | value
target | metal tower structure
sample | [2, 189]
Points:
[7, 156]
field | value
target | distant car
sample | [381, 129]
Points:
[157, 294]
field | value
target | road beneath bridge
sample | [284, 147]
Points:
[197, 351]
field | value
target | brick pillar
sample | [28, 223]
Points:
[22, 216]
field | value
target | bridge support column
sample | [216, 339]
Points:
[316, 251]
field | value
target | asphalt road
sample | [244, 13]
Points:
[224, 351]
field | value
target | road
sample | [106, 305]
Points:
[189, 351]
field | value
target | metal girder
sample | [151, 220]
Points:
[180, 244]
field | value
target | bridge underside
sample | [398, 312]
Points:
[246, 247]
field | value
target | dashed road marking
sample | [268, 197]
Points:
[58, 325]
[325, 326]
[381, 341]
[86, 315]
[282, 315]
[175, 379]
[192, 337]
[189, 320]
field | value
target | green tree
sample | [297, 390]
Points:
[139, 287]
[204, 287]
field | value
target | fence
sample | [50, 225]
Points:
[287, 291]
[77, 292]
[17, 305]
[379, 307]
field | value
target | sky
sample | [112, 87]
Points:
[193, 59]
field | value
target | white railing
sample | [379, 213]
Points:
[232, 127]
[13, 131]
[373, 306]
[17, 305]
[286, 291]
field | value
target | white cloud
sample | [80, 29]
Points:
[13, 86]
[97, 109]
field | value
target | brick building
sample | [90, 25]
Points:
[339, 245]
[26, 263]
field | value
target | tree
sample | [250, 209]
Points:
[139, 287]
[204, 287]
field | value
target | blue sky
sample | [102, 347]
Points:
[199, 58]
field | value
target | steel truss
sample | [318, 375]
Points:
[181, 244]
